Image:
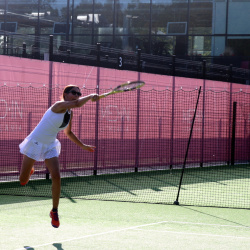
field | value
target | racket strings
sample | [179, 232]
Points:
[129, 86]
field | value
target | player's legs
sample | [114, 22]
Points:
[53, 167]
[26, 169]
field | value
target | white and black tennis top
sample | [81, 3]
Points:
[51, 123]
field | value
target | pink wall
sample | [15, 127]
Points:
[21, 108]
[14, 70]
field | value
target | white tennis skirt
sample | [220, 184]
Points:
[40, 151]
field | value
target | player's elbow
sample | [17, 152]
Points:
[67, 132]
[77, 104]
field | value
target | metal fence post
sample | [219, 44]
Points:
[98, 45]
[160, 138]
[139, 60]
[51, 47]
[233, 133]
[203, 110]
[68, 56]
[50, 81]
[98, 56]
[230, 112]
[137, 132]
[24, 54]
[173, 110]
[137, 143]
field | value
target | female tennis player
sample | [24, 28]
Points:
[42, 145]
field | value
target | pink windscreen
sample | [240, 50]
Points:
[149, 127]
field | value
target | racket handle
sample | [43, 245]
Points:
[101, 96]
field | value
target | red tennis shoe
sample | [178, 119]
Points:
[31, 173]
[55, 219]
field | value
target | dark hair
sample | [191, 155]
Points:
[68, 88]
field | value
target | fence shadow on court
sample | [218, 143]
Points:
[200, 186]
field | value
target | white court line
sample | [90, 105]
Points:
[206, 224]
[91, 235]
[145, 225]
[198, 234]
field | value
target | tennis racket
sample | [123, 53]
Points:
[127, 86]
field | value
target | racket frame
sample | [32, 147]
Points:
[116, 90]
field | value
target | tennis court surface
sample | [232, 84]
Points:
[122, 195]
[92, 224]
[131, 211]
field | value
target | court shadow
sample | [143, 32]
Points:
[58, 246]
[12, 199]
[215, 216]
[156, 186]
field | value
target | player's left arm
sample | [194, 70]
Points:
[74, 138]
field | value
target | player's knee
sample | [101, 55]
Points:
[56, 176]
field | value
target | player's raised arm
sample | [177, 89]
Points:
[72, 100]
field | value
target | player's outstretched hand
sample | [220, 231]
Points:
[89, 148]
[95, 98]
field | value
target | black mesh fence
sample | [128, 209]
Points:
[141, 139]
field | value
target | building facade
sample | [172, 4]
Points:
[160, 27]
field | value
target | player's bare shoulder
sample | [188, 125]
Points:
[59, 107]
